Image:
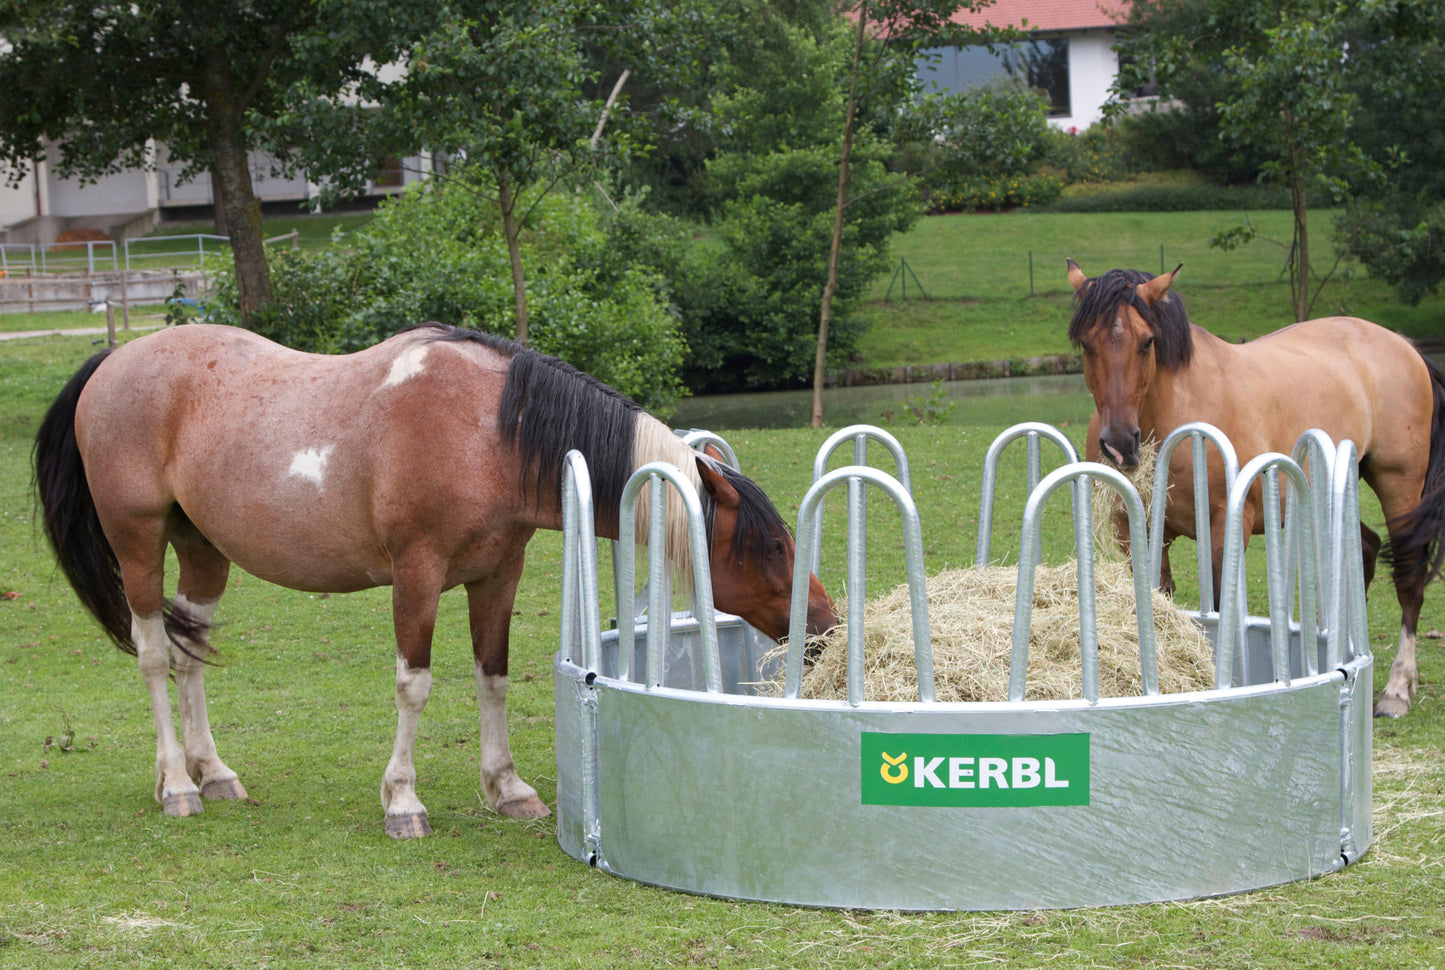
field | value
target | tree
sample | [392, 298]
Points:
[1292, 105]
[504, 84]
[1396, 227]
[888, 37]
[1280, 79]
[103, 81]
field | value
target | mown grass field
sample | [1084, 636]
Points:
[979, 305]
[92, 874]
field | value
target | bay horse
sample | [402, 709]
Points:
[1151, 370]
[424, 462]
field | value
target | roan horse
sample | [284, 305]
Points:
[424, 462]
[1150, 370]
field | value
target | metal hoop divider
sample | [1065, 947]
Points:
[697, 439]
[860, 434]
[809, 520]
[1318, 449]
[581, 613]
[1201, 432]
[1347, 635]
[1231, 616]
[656, 475]
[1081, 474]
[580, 606]
[1033, 431]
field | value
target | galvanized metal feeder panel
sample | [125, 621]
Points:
[710, 789]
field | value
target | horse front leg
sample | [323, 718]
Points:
[489, 606]
[415, 595]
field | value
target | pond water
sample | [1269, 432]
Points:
[1055, 399]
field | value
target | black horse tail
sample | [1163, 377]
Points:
[1416, 548]
[69, 515]
[73, 525]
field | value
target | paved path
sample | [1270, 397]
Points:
[75, 331]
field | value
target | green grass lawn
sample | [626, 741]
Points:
[92, 874]
[982, 305]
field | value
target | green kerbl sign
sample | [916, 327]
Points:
[982, 770]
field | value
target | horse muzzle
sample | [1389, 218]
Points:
[1120, 449]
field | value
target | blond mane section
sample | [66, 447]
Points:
[654, 441]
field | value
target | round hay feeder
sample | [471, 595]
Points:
[673, 771]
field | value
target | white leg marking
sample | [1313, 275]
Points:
[175, 790]
[398, 785]
[1394, 700]
[506, 793]
[203, 764]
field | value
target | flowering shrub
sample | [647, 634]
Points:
[994, 193]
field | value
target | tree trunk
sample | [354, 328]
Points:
[825, 317]
[508, 203]
[1301, 292]
[231, 178]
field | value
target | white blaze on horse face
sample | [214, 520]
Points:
[408, 364]
[310, 464]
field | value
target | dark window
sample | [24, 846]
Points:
[1043, 63]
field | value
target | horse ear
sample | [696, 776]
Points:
[1076, 276]
[716, 483]
[1157, 288]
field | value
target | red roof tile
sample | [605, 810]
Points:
[1048, 14]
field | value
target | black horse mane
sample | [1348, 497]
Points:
[1098, 299]
[550, 407]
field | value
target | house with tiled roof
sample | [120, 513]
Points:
[1068, 54]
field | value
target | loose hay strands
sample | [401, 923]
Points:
[971, 615]
[1107, 503]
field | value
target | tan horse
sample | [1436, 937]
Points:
[423, 463]
[1150, 370]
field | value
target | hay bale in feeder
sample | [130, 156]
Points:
[971, 615]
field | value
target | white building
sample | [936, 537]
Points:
[132, 202]
[1069, 54]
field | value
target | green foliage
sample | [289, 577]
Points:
[1400, 239]
[435, 254]
[1100, 153]
[993, 194]
[1149, 197]
[930, 409]
[750, 292]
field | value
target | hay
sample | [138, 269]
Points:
[1107, 503]
[971, 614]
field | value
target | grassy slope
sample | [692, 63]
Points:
[975, 271]
[92, 874]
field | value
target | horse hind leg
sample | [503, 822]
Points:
[203, 574]
[1408, 552]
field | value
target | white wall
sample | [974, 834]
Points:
[125, 192]
[1093, 65]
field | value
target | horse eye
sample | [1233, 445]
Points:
[1147, 345]
[1088, 349]
[776, 550]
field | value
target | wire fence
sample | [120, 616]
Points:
[104, 255]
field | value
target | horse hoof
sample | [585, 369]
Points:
[408, 826]
[226, 789]
[1389, 706]
[182, 804]
[529, 807]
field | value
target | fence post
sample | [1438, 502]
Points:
[125, 292]
[1031, 272]
[109, 324]
[30, 286]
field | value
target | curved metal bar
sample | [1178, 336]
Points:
[1081, 474]
[860, 435]
[1201, 432]
[1348, 634]
[580, 610]
[1231, 617]
[654, 475]
[1034, 431]
[1316, 448]
[697, 439]
[809, 519]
